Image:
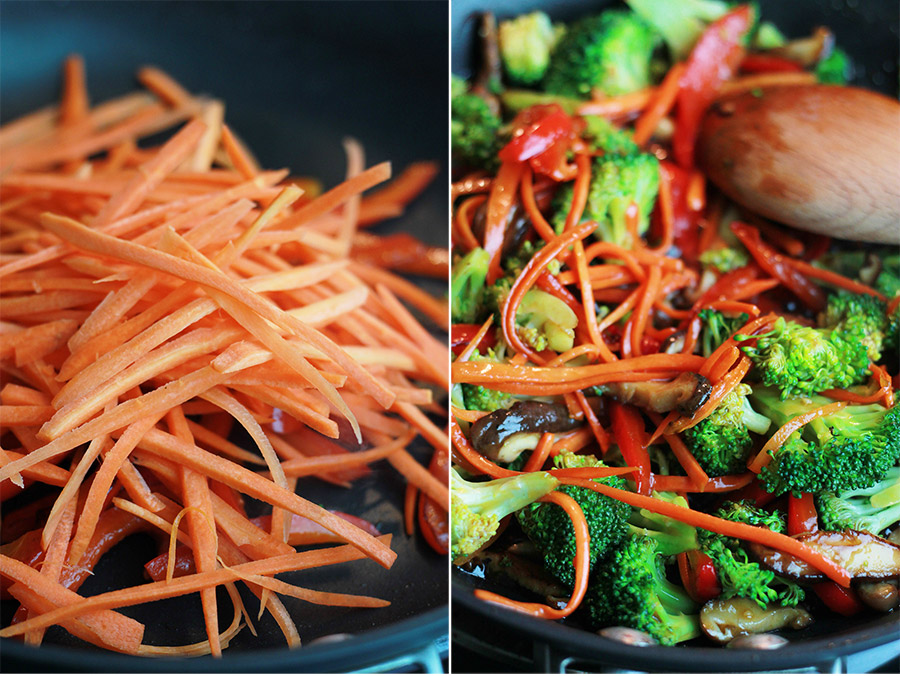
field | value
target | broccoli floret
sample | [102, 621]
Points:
[739, 576]
[671, 536]
[616, 182]
[836, 68]
[717, 328]
[525, 46]
[888, 280]
[611, 52]
[871, 509]
[477, 507]
[480, 398]
[467, 286]
[892, 334]
[721, 442]
[768, 36]
[545, 321]
[857, 318]
[800, 360]
[725, 259]
[629, 588]
[604, 135]
[550, 529]
[515, 100]
[851, 449]
[474, 130]
[680, 23]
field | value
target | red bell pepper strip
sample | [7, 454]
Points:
[305, 531]
[500, 202]
[685, 221]
[539, 128]
[774, 263]
[755, 492]
[434, 519]
[184, 564]
[628, 430]
[766, 63]
[714, 60]
[698, 575]
[462, 334]
[802, 516]
[841, 600]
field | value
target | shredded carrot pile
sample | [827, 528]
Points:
[156, 298]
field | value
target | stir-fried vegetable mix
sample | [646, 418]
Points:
[667, 401]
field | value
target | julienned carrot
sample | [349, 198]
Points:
[122, 632]
[104, 336]
[734, 529]
[660, 105]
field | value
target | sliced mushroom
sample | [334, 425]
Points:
[807, 52]
[674, 343]
[863, 555]
[687, 393]
[489, 434]
[882, 595]
[724, 619]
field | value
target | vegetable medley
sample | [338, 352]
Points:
[669, 414]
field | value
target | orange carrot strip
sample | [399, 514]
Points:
[663, 100]
[687, 460]
[114, 629]
[164, 445]
[618, 106]
[151, 174]
[833, 278]
[163, 85]
[544, 229]
[240, 157]
[540, 453]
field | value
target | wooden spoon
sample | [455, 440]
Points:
[821, 158]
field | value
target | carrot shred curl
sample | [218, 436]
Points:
[142, 286]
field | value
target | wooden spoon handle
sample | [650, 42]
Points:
[821, 158]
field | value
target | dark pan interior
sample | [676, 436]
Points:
[296, 79]
[869, 32]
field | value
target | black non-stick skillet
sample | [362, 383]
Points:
[868, 31]
[296, 78]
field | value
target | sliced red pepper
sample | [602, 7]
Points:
[538, 128]
[841, 600]
[756, 493]
[766, 63]
[685, 221]
[628, 430]
[462, 334]
[714, 60]
[184, 564]
[698, 575]
[402, 252]
[774, 263]
[802, 516]
[305, 531]
[433, 518]
[500, 202]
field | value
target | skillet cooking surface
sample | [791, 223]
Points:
[296, 78]
[869, 32]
